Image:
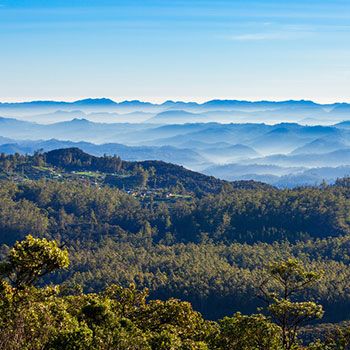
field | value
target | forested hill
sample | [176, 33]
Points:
[131, 175]
[176, 232]
[113, 171]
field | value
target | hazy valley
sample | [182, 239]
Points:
[286, 144]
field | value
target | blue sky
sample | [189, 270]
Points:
[188, 50]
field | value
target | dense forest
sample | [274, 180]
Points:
[61, 317]
[135, 226]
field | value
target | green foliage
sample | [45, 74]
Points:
[32, 259]
[337, 339]
[34, 318]
[165, 340]
[114, 238]
[255, 332]
[206, 244]
[291, 278]
[79, 338]
[127, 300]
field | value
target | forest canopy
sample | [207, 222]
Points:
[160, 227]
[56, 317]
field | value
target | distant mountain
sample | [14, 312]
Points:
[33, 104]
[57, 116]
[169, 103]
[179, 104]
[343, 125]
[278, 140]
[220, 110]
[5, 140]
[198, 136]
[341, 108]
[328, 173]
[166, 134]
[194, 115]
[316, 121]
[176, 117]
[186, 157]
[135, 103]
[194, 145]
[98, 117]
[282, 177]
[13, 128]
[260, 104]
[264, 139]
[227, 111]
[95, 102]
[313, 177]
[88, 101]
[73, 130]
[215, 132]
[229, 153]
[201, 145]
[285, 138]
[232, 172]
[321, 145]
[12, 148]
[333, 159]
[27, 109]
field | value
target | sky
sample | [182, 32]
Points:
[192, 50]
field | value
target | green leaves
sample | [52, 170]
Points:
[295, 313]
[255, 332]
[289, 277]
[121, 318]
[127, 301]
[32, 259]
[77, 338]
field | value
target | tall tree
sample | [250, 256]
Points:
[283, 284]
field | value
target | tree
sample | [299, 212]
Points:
[248, 332]
[175, 323]
[152, 174]
[127, 300]
[128, 337]
[38, 158]
[78, 338]
[285, 281]
[141, 177]
[31, 259]
[29, 316]
[336, 339]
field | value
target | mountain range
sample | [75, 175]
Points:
[223, 111]
[284, 143]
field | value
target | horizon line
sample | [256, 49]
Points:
[161, 102]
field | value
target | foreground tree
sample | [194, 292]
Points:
[32, 259]
[28, 315]
[248, 332]
[284, 283]
[119, 318]
[48, 318]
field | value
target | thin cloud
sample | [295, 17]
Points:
[259, 37]
[288, 32]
